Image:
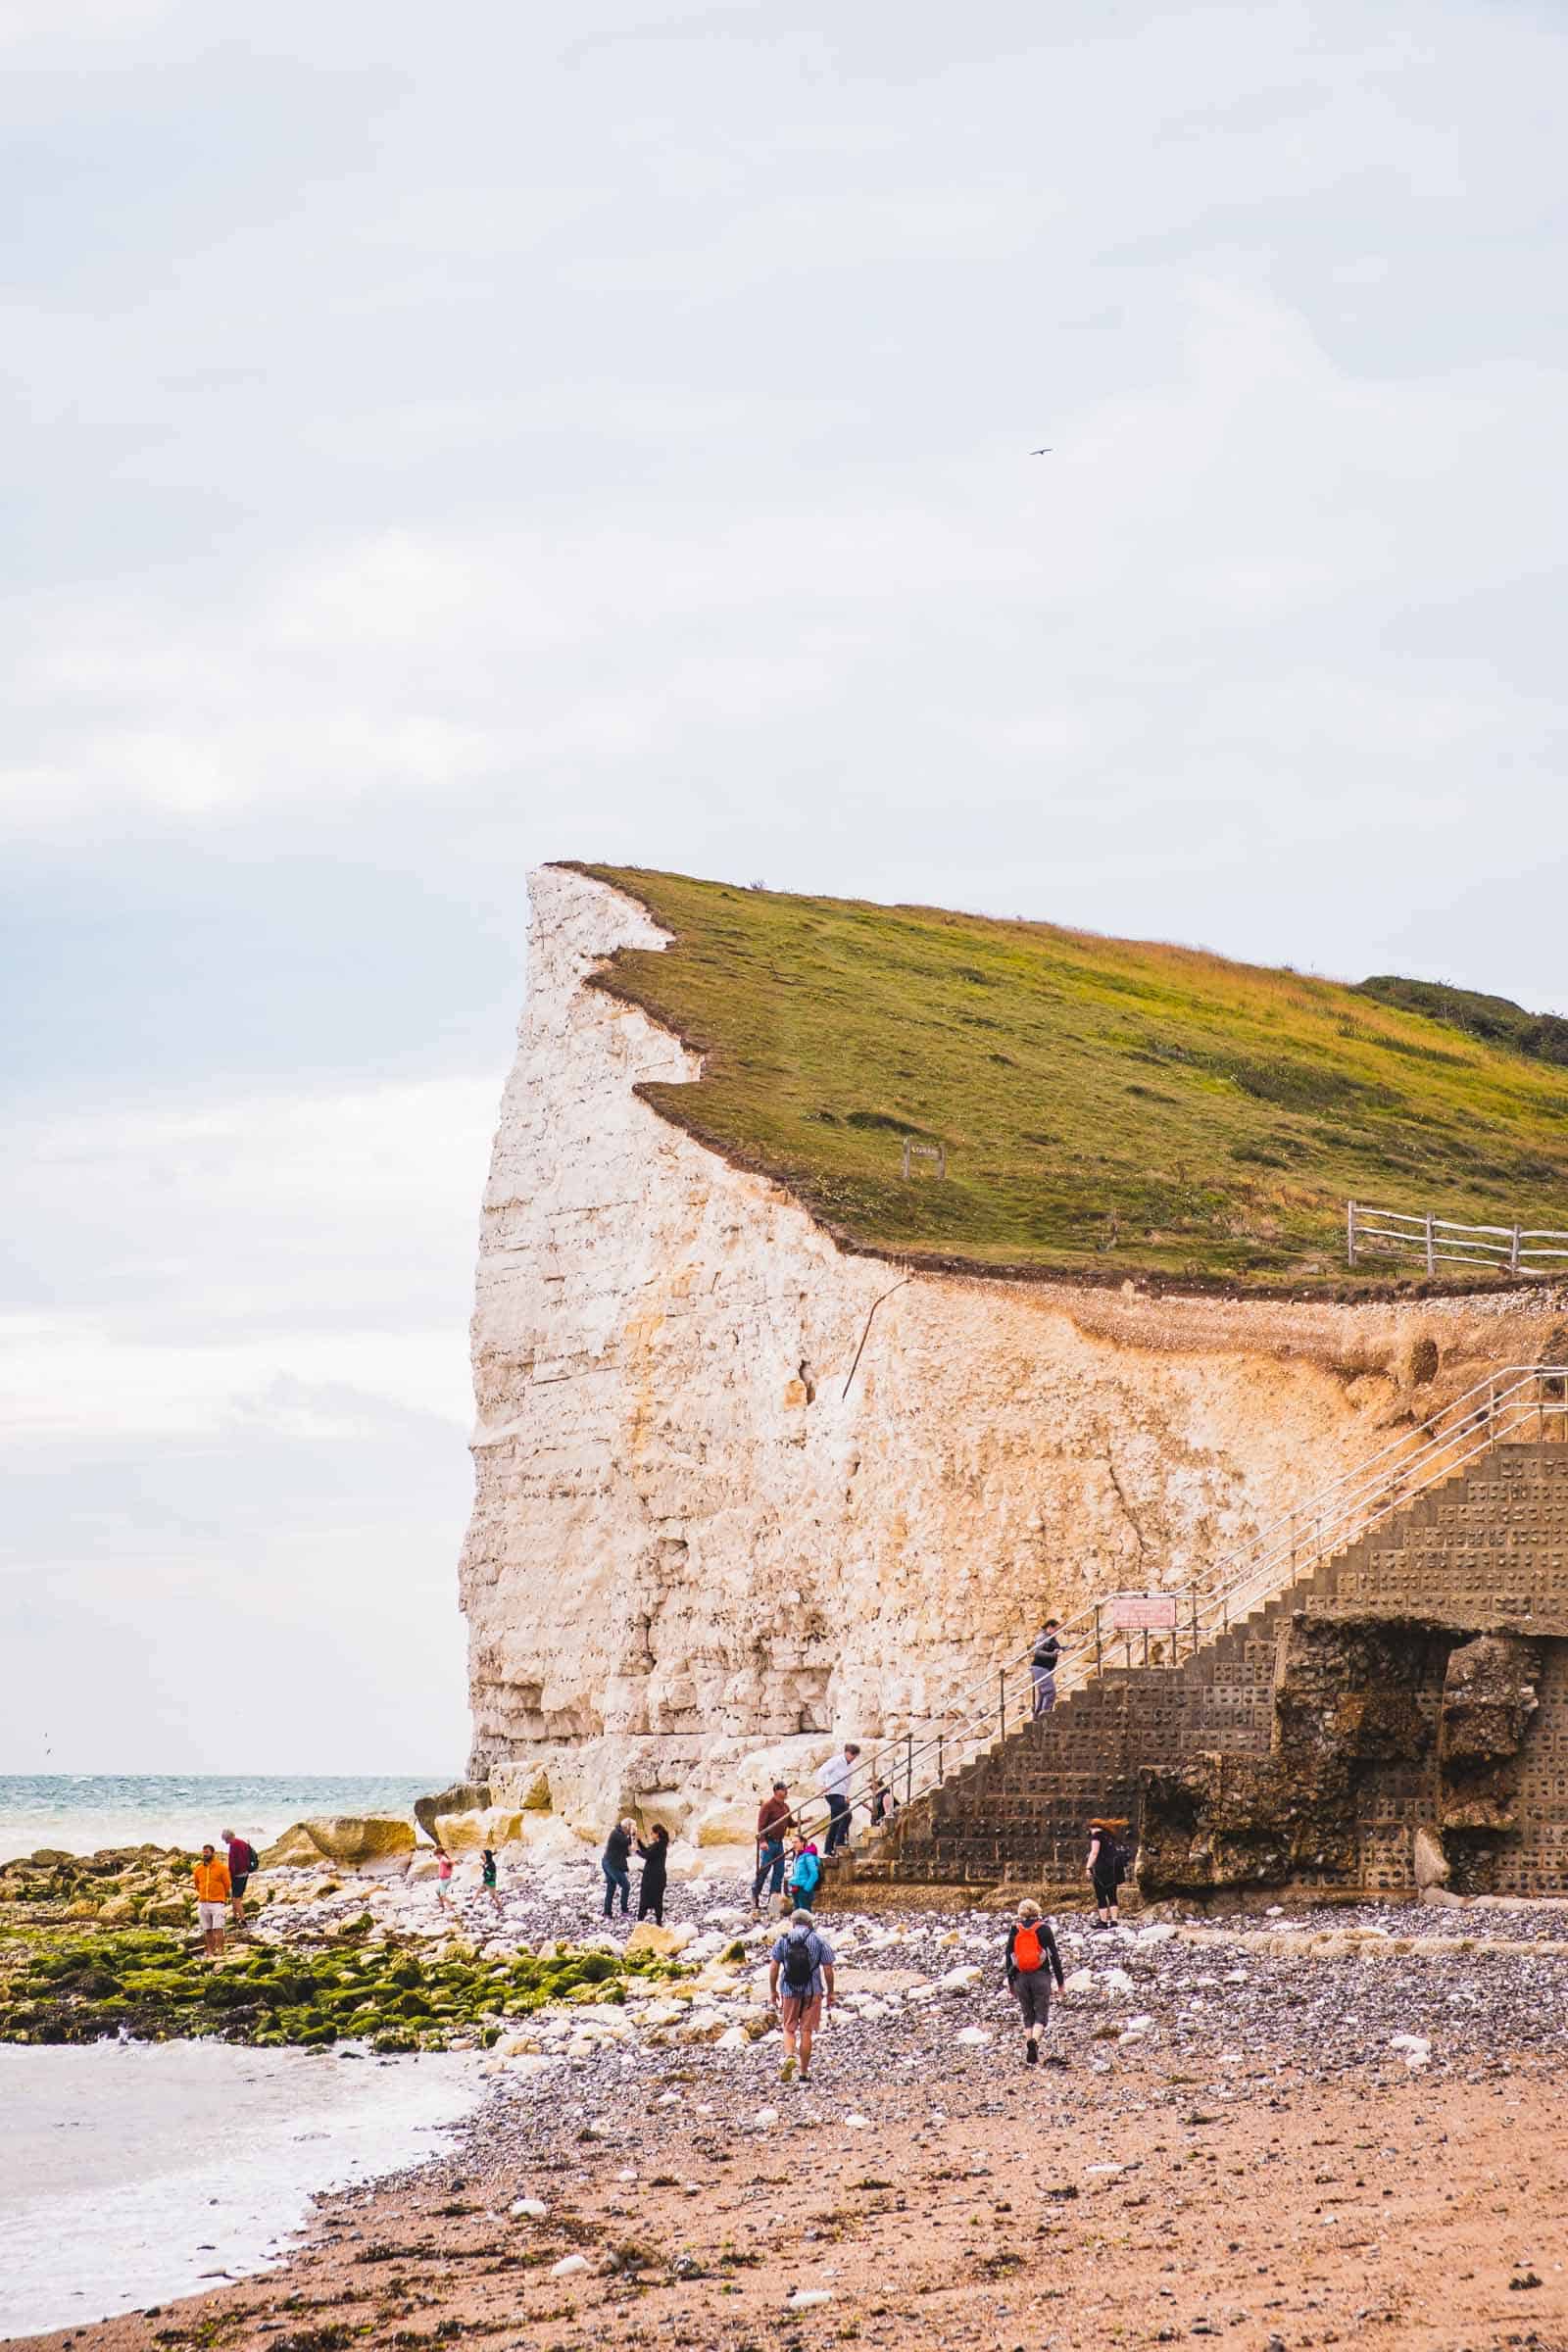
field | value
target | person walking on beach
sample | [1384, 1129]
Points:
[654, 1857]
[443, 1877]
[834, 1782]
[799, 1980]
[210, 1880]
[1032, 1960]
[771, 1815]
[616, 1863]
[487, 1876]
[242, 1860]
[806, 1869]
[1044, 1660]
[1107, 1866]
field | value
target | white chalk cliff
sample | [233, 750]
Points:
[706, 1538]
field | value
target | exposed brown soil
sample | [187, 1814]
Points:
[1425, 2211]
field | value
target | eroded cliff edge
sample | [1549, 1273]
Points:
[699, 1546]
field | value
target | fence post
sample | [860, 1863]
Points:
[1431, 1263]
[1513, 1254]
[1349, 1232]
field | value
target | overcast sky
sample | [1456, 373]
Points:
[440, 440]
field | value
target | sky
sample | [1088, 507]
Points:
[439, 441]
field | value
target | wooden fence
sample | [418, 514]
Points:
[1440, 1242]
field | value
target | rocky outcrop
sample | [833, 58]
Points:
[738, 1490]
[351, 1840]
[463, 1796]
[1490, 1692]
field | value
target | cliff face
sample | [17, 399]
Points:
[737, 1490]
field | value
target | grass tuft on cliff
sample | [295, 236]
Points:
[1108, 1107]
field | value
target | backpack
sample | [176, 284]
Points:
[799, 1964]
[1116, 1861]
[244, 1858]
[1028, 1953]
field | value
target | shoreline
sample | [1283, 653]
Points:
[1000, 2207]
[1259, 2084]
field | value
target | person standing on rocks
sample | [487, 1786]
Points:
[443, 1877]
[771, 1815]
[487, 1876]
[1106, 1869]
[834, 1782]
[1044, 1660]
[804, 1871]
[654, 1856]
[616, 1863]
[210, 1880]
[241, 1862]
[1032, 1960]
[799, 1978]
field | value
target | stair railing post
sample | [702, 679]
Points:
[908, 1766]
[1098, 1659]
[1001, 1700]
[939, 1760]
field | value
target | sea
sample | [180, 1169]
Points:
[134, 2173]
[78, 1813]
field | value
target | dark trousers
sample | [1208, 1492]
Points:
[651, 1897]
[838, 1827]
[616, 1880]
[769, 1861]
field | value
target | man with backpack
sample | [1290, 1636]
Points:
[242, 1861]
[799, 1978]
[1032, 1960]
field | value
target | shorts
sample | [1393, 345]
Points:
[237, 1886]
[1032, 1987]
[801, 2009]
[211, 1916]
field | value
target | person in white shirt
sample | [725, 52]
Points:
[834, 1782]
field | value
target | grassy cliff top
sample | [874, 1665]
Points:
[1108, 1107]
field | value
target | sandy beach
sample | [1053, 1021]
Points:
[1294, 2132]
[990, 2209]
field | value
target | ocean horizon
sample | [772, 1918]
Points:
[80, 1813]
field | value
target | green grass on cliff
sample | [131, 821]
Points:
[1111, 1106]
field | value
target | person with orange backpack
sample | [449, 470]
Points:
[1032, 1961]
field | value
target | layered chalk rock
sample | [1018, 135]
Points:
[738, 1492]
[351, 1840]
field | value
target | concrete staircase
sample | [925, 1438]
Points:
[1485, 1547]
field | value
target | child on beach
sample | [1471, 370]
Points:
[443, 1877]
[487, 1876]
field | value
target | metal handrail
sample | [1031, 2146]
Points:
[976, 1718]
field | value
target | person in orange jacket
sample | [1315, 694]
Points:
[212, 1888]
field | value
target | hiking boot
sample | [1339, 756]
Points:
[1031, 2053]
[786, 2073]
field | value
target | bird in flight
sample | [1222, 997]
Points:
[1042, 452]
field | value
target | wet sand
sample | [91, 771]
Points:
[1264, 2204]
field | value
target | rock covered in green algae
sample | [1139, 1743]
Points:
[74, 1986]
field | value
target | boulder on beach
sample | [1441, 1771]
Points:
[351, 1840]
[470, 1832]
[463, 1796]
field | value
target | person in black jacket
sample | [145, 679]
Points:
[1032, 1960]
[615, 1865]
[654, 1856]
